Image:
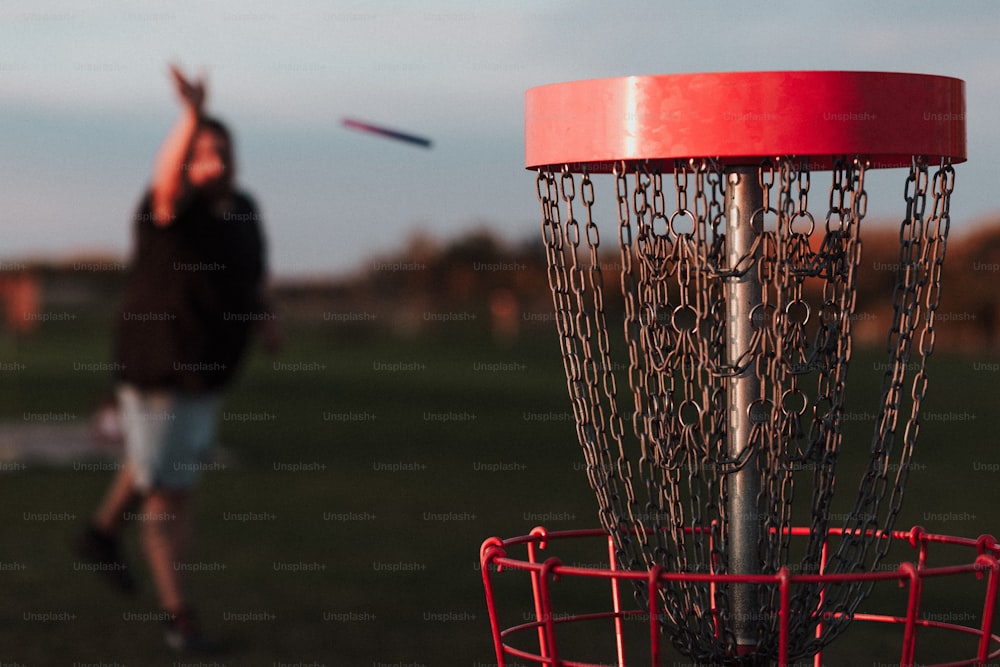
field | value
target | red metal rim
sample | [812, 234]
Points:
[745, 117]
[494, 559]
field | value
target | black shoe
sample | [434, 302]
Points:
[101, 550]
[184, 635]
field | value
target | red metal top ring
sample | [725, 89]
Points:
[741, 118]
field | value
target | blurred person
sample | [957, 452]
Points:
[195, 292]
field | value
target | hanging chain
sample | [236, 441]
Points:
[670, 509]
[567, 287]
[916, 297]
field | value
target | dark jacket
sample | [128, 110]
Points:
[193, 296]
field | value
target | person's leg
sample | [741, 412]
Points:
[99, 540]
[168, 513]
[166, 536]
[166, 533]
[120, 498]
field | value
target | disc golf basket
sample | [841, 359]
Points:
[712, 427]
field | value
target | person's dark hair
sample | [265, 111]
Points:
[216, 126]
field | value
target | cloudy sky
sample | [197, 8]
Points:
[85, 101]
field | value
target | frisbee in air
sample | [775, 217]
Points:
[387, 132]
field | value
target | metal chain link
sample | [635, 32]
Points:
[670, 509]
[916, 298]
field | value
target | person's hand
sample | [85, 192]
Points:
[191, 92]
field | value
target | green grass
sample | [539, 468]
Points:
[372, 466]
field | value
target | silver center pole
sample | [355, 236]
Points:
[743, 197]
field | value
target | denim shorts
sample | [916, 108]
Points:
[168, 435]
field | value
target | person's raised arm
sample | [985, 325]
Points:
[169, 185]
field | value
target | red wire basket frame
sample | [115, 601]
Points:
[494, 561]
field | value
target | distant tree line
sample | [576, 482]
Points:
[477, 282]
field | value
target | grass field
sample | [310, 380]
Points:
[364, 475]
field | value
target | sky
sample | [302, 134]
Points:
[85, 100]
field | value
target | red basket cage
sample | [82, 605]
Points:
[543, 574]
